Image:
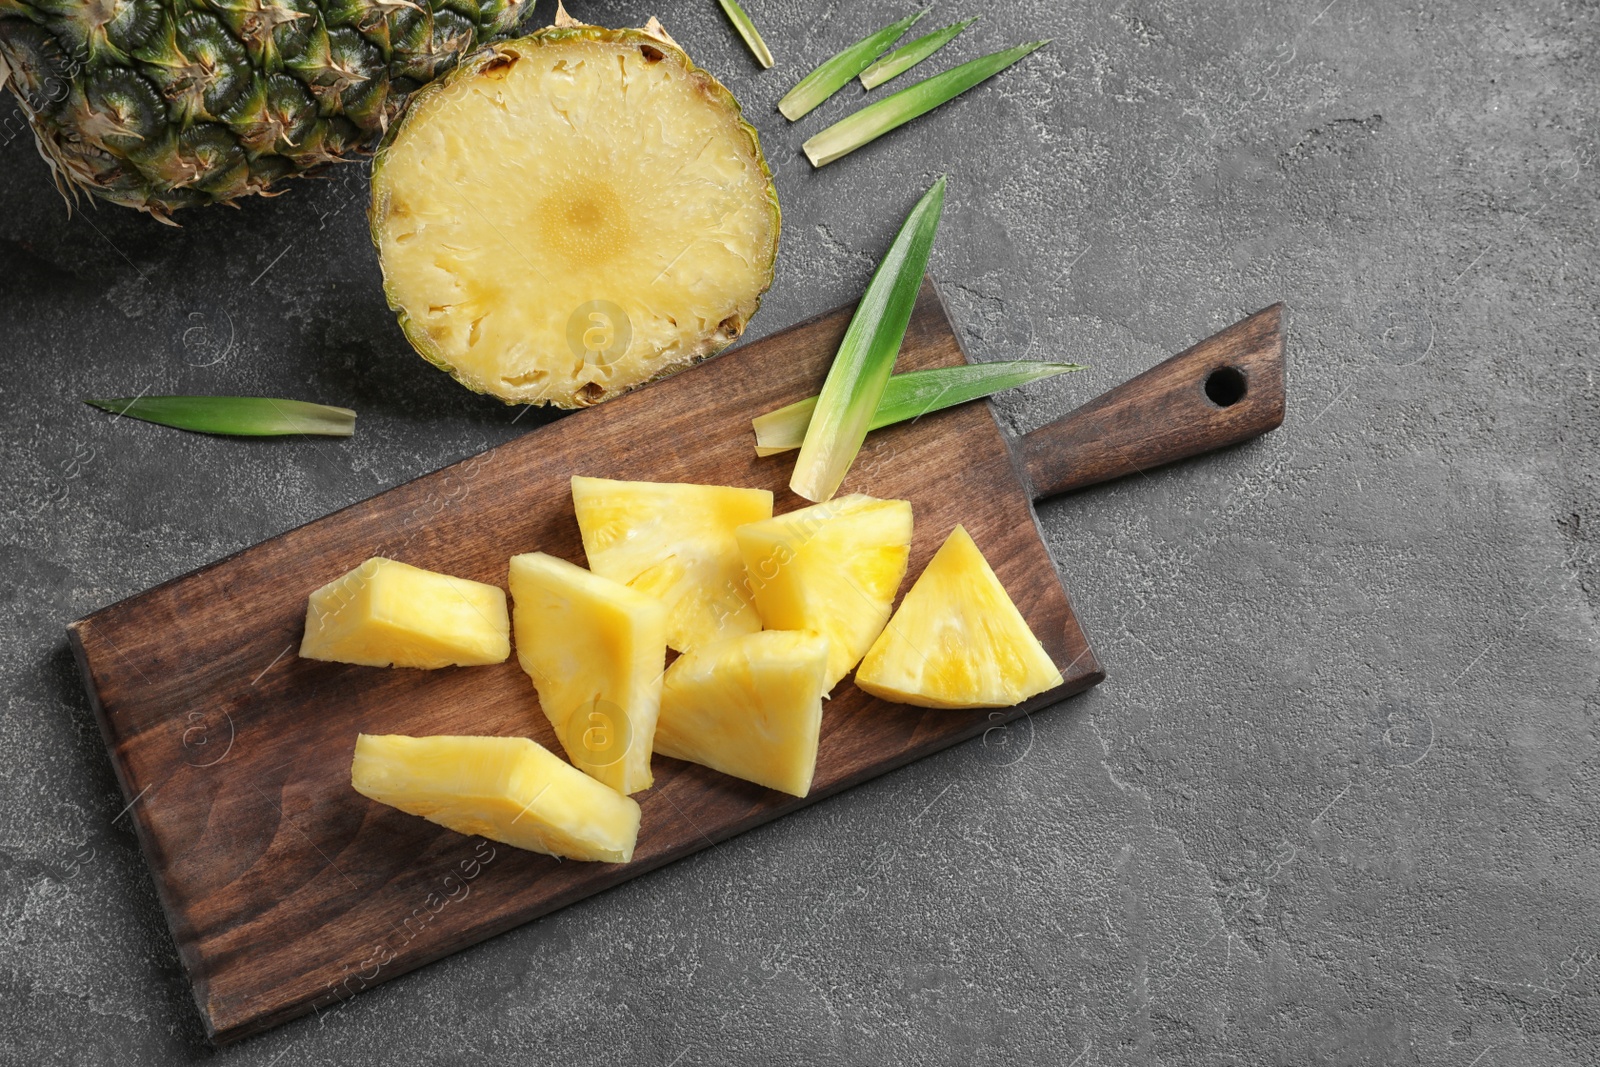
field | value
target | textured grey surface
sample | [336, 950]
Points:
[1337, 802]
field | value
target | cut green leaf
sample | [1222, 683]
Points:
[860, 371]
[892, 112]
[909, 396]
[905, 57]
[747, 30]
[829, 78]
[237, 416]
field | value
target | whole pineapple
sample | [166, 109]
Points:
[163, 104]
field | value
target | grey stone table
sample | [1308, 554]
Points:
[1337, 802]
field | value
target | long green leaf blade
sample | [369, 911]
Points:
[237, 416]
[747, 30]
[909, 396]
[892, 112]
[829, 78]
[905, 57]
[861, 368]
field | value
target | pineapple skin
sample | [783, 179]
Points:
[166, 104]
[507, 789]
[957, 640]
[652, 37]
[595, 651]
[750, 706]
[831, 568]
[676, 542]
[389, 614]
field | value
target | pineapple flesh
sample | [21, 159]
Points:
[508, 789]
[831, 568]
[385, 613]
[595, 650]
[749, 706]
[957, 640]
[161, 104]
[571, 214]
[674, 542]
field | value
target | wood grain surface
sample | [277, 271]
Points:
[287, 891]
[1219, 392]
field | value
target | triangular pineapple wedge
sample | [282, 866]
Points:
[508, 789]
[674, 542]
[831, 568]
[595, 650]
[957, 640]
[750, 706]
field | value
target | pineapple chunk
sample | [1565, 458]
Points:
[384, 614]
[750, 706]
[957, 641]
[508, 789]
[595, 650]
[831, 568]
[674, 542]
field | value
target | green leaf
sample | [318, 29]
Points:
[829, 78]
[905, 57]
[892, 112]
[239, 416]
[860, 370]
[747, 30]
[909, 396]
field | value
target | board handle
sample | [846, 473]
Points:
[1226, 389]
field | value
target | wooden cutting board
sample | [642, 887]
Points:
[286, 891]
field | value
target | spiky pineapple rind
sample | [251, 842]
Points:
[136, 104]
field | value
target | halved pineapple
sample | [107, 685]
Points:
[570, 214]
[595, 650]
[957, 640]
[508, 789]
[674, 542]
[750, 706]
[384, 613]
[831, 568]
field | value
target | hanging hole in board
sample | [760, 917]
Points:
[1225, 386]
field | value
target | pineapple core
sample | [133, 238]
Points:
[508, 789]
[957, 641]
[573, 214]
[675, 542]
[831, 568]
[385, 614]
[749, 706]
[595, 650]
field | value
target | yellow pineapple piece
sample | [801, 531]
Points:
[957, 641]
[750, 706]
[561, 218]
[595, 650]
[508, 789]
[831, 568]
[674, 542]
[385, 613]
